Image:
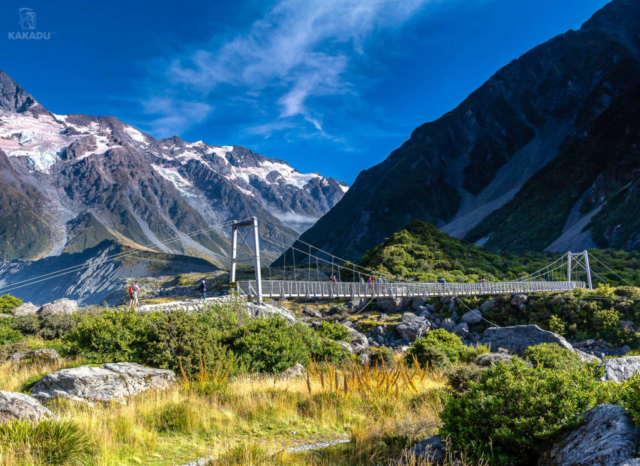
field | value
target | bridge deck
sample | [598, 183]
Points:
[296, 289]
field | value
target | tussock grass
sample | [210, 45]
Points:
[251, 419]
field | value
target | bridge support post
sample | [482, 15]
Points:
[256, 237]
[235, 226]
[234, 252]
[569, 267]
[588, 268]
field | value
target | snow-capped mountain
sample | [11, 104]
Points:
[72, 181]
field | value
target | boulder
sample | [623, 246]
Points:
[472, 317]
[627, 325]
[268, 310]
[413, 329]
[61, 306]
[15, 406]
[460, 330]
[359, 342]
[519, 300]
[431, 451]
[407, 316]
[40, 355]
[606, 437]
[311, 312]
[520, 337]
[620, 369]
[488, 305]
[417, 303]
[25, 309]
[447, 324]
[426, 314]
[346, 346]
[586, 357]
[489, 359]
[293, 371]
[110, 382]
[390, 305]
[584, 344]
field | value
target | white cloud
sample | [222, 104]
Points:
[299, 50]
[174, 115]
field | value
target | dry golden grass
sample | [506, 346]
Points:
[254, 419]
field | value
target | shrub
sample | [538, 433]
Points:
[460, 376]
[381, 356]
[512, 410]
[272, 345]
[8, 350]
[8, 303]
[329, 351]
[630, 397]
[9, 336]
[441, 339]
[551, 356]
[556, 325]
[427, 356]
[48, 442]
[53, 326]
[606, 319]
[470, 353]
[334, 330]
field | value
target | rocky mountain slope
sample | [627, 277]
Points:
[542, 156]
[71, 182]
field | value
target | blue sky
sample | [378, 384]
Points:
[328, 85]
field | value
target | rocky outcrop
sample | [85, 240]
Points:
[520, 337]
[620, 369]
[606, 437]
[18, 406]
[109, 382]
[39, 355]
[25, 309]
[359, 342]
[413, 327]
[61, 306]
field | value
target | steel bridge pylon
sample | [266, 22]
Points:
[236, 227]
[581, 262]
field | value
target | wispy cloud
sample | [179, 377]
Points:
[174, 115]
[300, 50]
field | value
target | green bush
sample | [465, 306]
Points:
[334, 331]
[443, 340]
[329, 351]
[8, 303]
[8, 350]
[513, 410]
[427, 356]
[381, 356]
[551, 356]
[470, 353]
[48, 442]
[460, 376]
[606, 319]
[630, 397]
[9, 336]
[272, 345]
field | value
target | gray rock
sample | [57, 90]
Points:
[447, 324]
[379, 330]
[41, 355]
[110, 382]
[390, 305]
[413, 329]
[432, 451]
[606, 437]
[346, 346]
[627, 325]
[407, 316]
[311, 312]
[472, 317]
[417, 303]
[364, 359]
[520, 337]
[15, 406]
[358, 341]
[25, 309]
[61, 306]
[489, 359]
[620, 369]
[461, 330]
[268, 310]
[488, 305]
[426, 314]
[519, 300]
[586, 357]
[293, 371]
[584, 344]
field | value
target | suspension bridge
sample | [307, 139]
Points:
[545, 280]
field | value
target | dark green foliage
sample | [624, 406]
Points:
[48, 442]
[551, 356]
[272, 345]
[9, 336]
[630, 397]
[460, 376]
[513, 410]
[333, 330]
[8, 303]
[427, 356]
[447, 342]
[329, 351]
[8, 350]
[381, 356]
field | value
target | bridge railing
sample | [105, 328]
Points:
[326, 289]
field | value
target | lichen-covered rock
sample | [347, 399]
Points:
[40, 355]
[472, 317]
[518, 338]
[25, 309]
[413, 329]
[606, 437]
[110, 382]
[620, 369]
[311, 312]
[61, 306]
[18, 406]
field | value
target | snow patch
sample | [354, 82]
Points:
[136, 135]
[171, 174]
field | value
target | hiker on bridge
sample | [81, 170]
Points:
[133, 294]
[203, 289]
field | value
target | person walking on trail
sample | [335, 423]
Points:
[203, 289]
[133, 294]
